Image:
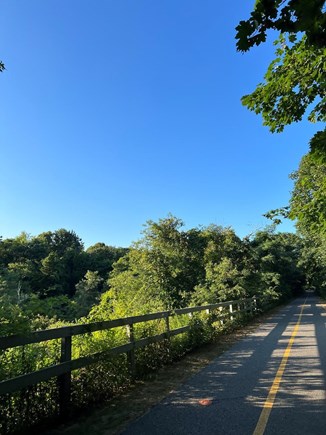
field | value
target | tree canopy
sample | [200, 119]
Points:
[171, 267]
[284, 16]
[308, 201]
[295, 80]
[50, 276]
[294, 85]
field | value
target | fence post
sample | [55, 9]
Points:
[221, 311]
[231, 311]
[131, 353]
[167, 324]
[64, 381]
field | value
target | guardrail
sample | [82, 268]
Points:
[63, 370]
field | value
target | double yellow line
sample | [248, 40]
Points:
[268, 405]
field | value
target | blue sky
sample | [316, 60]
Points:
[116, 112]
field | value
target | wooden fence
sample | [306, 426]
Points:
[63, 370]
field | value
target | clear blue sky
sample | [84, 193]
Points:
[116, 112]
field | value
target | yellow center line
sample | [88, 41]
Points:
[268, 405]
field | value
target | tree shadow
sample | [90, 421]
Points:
[229, 383]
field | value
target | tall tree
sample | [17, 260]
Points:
[296, 78]
[308, 207]
[157, 269]
[225, 262]
[64, 265]
[100, 258]
[277, 257]
[88, 292]
[308, 201]
[294, 84]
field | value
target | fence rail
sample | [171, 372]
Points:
[63, 369]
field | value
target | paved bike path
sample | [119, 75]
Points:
[229, 395]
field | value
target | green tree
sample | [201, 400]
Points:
[285, 16]
[224, 281]
[51, 276]
[313, 263]
[308, 208]
[295, 83]
[160, 271]
[226, 264]
[100, 258]
[170, 257]
[21, 274]
[169, 268]
[277, 257]
[14, 250]
[49, 264]
[88, 292]
[12, 318]
[154, 269]
[64, 264]
[308, 200]
[132, 286]
[295, 80]
[45, 311]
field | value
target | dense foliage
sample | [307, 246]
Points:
[296, 78]
[294, 84]
[50, 280]
[171, 267]
[51, 277]
[285, 16]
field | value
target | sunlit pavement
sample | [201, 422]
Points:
[229, 395]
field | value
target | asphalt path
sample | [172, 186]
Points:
[270, 382]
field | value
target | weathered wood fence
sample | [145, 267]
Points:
[62, 371]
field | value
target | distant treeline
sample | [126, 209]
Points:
[42, 275]
[51, 277]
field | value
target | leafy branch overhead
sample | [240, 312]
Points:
[293, 82]
[292, 16]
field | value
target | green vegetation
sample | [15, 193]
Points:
[172, 268]
[285, 16]
[294, 84]
[50, 277]
[50, 280]
[295, 80]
